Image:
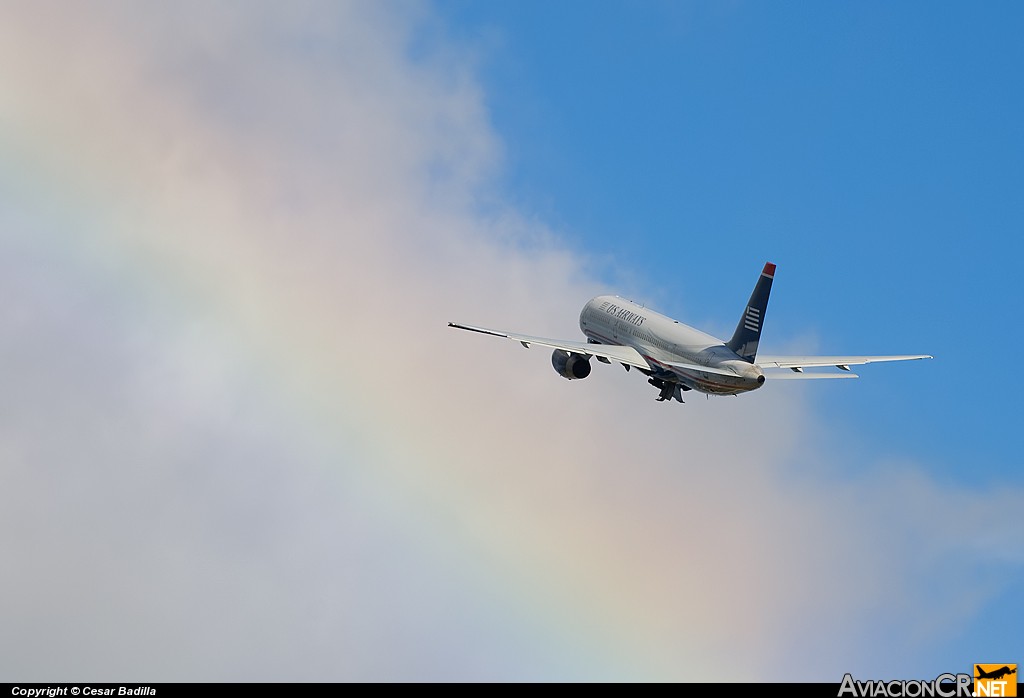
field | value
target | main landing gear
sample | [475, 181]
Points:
[669, 391]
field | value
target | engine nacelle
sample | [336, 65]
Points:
[571, 366]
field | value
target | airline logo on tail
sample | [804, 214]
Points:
[752, 321]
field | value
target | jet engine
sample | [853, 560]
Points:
[571, 366]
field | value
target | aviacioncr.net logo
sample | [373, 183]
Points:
[943, 686]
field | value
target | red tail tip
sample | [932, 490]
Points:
[769, 269]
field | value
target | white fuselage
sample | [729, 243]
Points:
[663, 341]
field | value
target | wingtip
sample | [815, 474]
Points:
[769, 270]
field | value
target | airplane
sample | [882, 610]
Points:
[995, 675]
[678, 358]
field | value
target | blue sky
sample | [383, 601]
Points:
[231, 237]
[872, 150]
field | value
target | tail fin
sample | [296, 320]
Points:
[748, 331]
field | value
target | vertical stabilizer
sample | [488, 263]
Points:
[748, 331]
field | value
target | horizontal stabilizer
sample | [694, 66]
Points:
[837, 361]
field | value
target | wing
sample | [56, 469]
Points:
[614, 352]
[844, 362]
